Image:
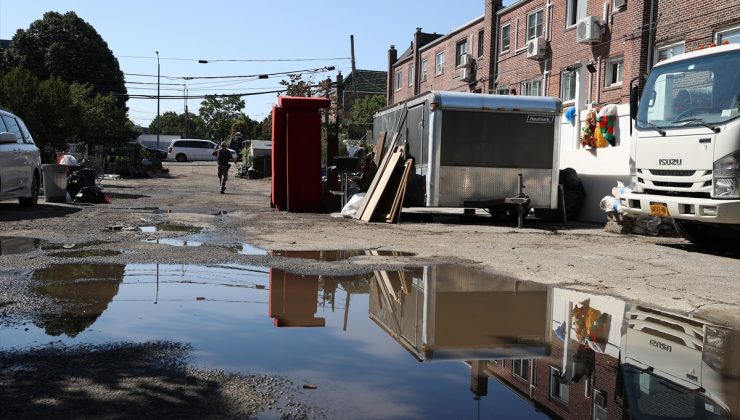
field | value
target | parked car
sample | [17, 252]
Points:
[183, 150]
[20, 161]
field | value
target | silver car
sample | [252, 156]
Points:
[20, 161]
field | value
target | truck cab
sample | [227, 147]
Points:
[685, 155]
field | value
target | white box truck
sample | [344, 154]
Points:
[685, 153]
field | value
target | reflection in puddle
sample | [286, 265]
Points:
[248, 249]
[522, 349]
[339, 255]
[18, 245]
[86, 253]
[170, 227]
[55, 247]
[174, 242]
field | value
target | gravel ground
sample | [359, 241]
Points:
[665, 272]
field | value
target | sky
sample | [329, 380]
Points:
[242, 38]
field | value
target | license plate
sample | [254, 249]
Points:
[659, 209]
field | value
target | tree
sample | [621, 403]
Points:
[102, 120]
[265, 130]
[65, 46]
[296, 86]
[219, 114]
[360, 119]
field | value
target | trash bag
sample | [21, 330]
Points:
[350, 209]
[574, 195]
[92, 195]
[80, 179]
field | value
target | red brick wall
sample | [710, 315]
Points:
[618, 40]
[580, 405]
[449, 79]
[694, 21]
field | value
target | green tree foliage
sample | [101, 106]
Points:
[265, 131]
[65, 46]
[219, 114]
[296, 86]
[360, 119]
[174, 123]
[58, 112]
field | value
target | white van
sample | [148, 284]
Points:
[183, 150]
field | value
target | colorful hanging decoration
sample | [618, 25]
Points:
[589, 129]
[607, 120]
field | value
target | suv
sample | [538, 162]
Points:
[183, 150]
[20, 161]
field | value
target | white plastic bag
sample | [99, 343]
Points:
[350, 209]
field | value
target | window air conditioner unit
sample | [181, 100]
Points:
[536, 47]
[466, 60]
[619, 4]
[466, 74]
[588, 30]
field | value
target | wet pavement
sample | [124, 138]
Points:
[431, 342]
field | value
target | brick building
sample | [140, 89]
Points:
[582, 51]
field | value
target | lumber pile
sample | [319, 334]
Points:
[384, 199]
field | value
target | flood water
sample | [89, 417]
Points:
[433, 342]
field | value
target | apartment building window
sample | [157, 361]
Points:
[731, 36]
[424, 69]
[439, 63]
[599, 408]
[481, 41]
[667, 51]
[411, 74]
[534, 25]
[397, 80]
[558, 391]
[576, 11]
[520, 368]
[614, 71]
[505, 38]
[532, 87]
[568, 85]
[460, 50]
[502, 90]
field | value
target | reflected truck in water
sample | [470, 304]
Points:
[526, 350]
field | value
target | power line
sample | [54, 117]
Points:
[181, 97]
[259, 75]
[238, 60]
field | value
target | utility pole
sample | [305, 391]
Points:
[159, 120]
[185, 91]
[354, 70]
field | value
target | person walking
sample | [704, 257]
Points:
[224, 158]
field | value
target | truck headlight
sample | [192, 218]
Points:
[634, 186]
[726, 176]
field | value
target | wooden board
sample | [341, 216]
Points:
[388, 195]
[379, 149]
[395, 213]
[382, 177]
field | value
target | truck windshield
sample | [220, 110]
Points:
[701, 91]
[652, 397]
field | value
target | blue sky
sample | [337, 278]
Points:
[186, 31]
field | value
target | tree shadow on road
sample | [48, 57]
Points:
[12, 212]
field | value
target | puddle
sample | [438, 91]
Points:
[86, 253]
[174, 242]
[339, 255]
[248, 249]
[170, 227]
[56, 247]
[10, 245]
[483, 340]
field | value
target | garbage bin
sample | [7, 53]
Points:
[55, 182]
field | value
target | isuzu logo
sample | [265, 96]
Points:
[670, 162]
[658, 345]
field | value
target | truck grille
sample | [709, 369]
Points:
[663, 172]
[680, 330]
[673, 184]
[678, 193]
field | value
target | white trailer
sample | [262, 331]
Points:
[478, 150]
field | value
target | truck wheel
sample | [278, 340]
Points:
[34, 197]
[694, 232]
[181, 157]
